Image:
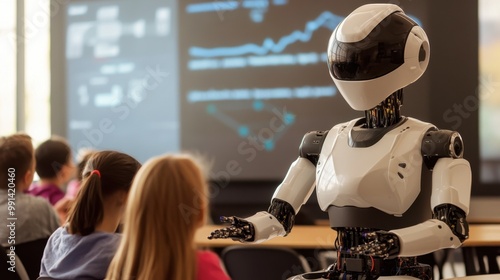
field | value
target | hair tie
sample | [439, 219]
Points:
[96, 172]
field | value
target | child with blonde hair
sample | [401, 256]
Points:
[84, 247]
[168, 202]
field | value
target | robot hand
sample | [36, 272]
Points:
[379, 244]
[239, 230]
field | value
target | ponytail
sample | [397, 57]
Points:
[88, 210]
[105, 173]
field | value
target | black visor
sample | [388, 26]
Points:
[379, 53]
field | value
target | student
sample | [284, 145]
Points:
[35, 217]
[168, 202]
[55, 167]
[84, 247]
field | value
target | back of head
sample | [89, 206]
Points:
[105, 173]
[16, 154]
[51, 156]
[167, 203]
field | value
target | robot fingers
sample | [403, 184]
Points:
[372, 248]
[239, 230]
[379, 244]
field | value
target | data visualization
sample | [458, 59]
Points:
[238, 82]
[122, 76]
[256, 81]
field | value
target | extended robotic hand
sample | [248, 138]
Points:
[257, 228]
[240, 230]
[381, 244]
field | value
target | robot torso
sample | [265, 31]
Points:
[378, 168]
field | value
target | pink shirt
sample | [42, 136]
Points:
[50, 192]
[210, 267]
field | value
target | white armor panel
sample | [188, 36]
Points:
[266, 227]
[385, 175]
[451, 181]
[298, 184]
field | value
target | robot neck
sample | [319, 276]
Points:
[386, 113]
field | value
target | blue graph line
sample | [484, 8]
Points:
[255, 130]
[326, 19]
[256, 4]
[212, 7]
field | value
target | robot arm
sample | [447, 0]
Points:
[451, 184]
[290, 195]
[450, 202]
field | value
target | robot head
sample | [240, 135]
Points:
[375, 51]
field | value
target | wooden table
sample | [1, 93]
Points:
[301, 237]
[478, 277]
[322, 237]
[319, 237]
[483, 235]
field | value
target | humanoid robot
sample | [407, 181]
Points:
[394, 187]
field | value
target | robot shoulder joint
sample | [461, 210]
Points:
[441, 143]
[311, 145]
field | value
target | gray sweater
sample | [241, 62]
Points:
[32, 218]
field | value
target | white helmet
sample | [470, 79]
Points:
[375, 51]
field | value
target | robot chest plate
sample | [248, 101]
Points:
[385, 175]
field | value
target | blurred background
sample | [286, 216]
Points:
[239, 82]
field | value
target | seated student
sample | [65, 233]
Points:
[168, 202]
[84, 247]
[35, 217]
[54, 166]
